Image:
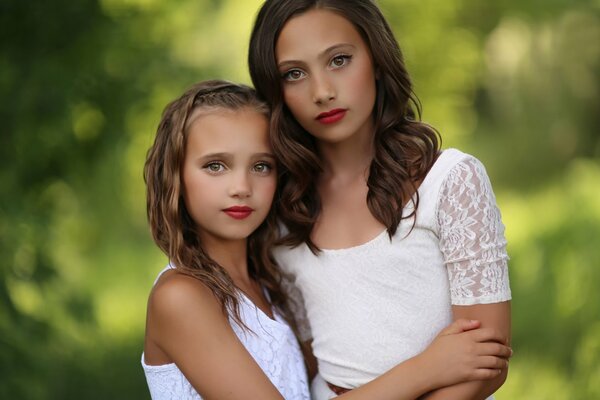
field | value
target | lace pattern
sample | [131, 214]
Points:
[472, 236]
[271, 343]
[374, 305]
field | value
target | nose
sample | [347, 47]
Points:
[323, 90]
[240, 185]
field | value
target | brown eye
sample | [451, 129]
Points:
[293, 75]
[340, 61]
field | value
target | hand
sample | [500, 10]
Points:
[465, 352]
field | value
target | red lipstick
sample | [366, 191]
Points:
[330, 117]
[238, 212]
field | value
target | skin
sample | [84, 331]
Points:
[185, 324]
[314, 82]
[325, 64]
[228, 162]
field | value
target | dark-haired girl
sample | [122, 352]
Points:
[388, 238]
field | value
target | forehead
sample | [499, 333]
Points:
[314, 31]
[228, 130]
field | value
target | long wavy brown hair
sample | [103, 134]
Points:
[405, 148]
[173, 229]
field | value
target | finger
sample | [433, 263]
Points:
[484, 374]
[491, 362]
[459, 326]
[489, 335]
[494, 349]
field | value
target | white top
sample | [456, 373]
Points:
[274, 347]
[372, 306]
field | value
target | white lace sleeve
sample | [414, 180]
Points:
[296, 305]
[472, 236]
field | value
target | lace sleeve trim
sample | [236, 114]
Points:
[472, 236]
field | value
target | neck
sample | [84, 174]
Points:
[231, 255]
[349, 159]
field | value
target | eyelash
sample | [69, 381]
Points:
[286, 76]
[210, 164]
[266, 165]
[346, 57]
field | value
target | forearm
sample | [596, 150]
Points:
[496, 315]
[406, 381]
[474, 390]
[461, 352]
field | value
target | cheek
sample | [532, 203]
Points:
[293, 99]
[267, 189]
[195, 194]
[365, 84]
[193, 199]
[271, 186]
[364, 80]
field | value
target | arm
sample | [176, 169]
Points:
[474, 248]
[186, 322]
[495, 316]
[469, 350]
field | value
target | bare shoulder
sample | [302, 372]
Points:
[177, 298]
[186, 325]
[175, 289]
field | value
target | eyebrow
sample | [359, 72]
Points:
[320, 55]
[212, 156]
[260, 155]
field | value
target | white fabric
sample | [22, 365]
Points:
[320, 390]
[372, 306]
[274, 347]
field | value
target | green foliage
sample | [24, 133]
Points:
[83, 84]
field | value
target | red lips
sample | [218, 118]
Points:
[332, 116]
[238, 212]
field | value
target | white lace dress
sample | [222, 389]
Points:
[369, 307]
[274, 347]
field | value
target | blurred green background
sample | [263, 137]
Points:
[82, 86]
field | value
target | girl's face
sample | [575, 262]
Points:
[328, 77]
[228, 174]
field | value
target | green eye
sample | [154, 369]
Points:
[214, 167]
[262, 168]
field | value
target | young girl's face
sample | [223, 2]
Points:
[328, 77]
[228, 174]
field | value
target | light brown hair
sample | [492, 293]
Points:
[172, 227]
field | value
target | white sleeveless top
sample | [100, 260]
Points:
[370, 307]
[273, 346]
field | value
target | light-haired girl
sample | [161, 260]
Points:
[215, 321]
